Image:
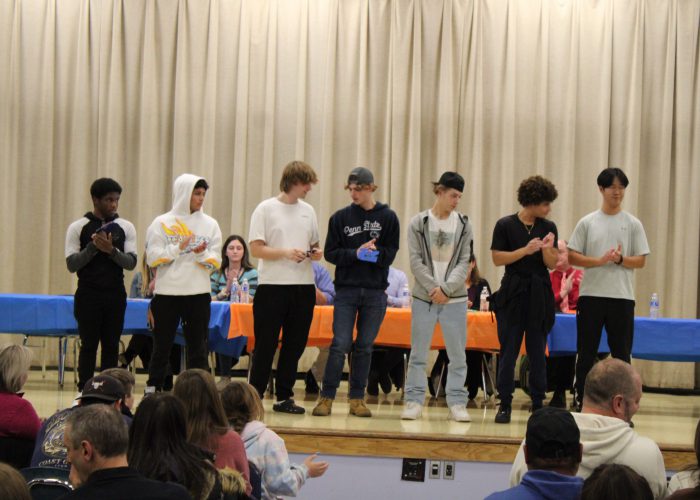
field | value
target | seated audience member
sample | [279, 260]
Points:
[611, 398]
[96, 438]
[325, 296]
[552, 452]
[686, 494]
[387, 362]
[235, 264]
[12, 485]
[615, 482]
[19, 423]
[565, 286]
[207, 426]
[475, 285]
[264, 448]
[128, 381]
[690, 477]
[49, 450]
[158, 449]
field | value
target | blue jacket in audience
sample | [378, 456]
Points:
[542, 484]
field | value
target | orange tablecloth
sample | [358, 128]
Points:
[395, 330]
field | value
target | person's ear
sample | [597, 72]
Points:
[86, 450]
[618, 405]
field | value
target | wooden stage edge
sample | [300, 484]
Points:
[443, 447]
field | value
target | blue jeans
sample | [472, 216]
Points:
[368, 305]
[453, 321]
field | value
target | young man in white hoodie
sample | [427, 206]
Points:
[610, 400]
[184, 245]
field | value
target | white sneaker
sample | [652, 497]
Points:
[459, 413]
[412, 411]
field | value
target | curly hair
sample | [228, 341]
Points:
[535, 190]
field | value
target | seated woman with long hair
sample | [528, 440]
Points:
[158, 449]
[207, 426]
[689, 477]
[265, 449]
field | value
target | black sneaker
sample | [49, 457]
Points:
[503, 415]
[558, 400]
[311, 384]
[288, 406]
[576, 406]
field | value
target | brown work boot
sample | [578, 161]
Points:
[323, 408]
[358, 408]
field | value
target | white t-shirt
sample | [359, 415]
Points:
[594, 235]
[443, 237]
[283, 225]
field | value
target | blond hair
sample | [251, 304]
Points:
[15, 361]
[297, 172]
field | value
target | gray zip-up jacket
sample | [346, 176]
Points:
[453, 285]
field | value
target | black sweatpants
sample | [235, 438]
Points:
[286, 307]
[168, 310]
[592, 314]
[100, 317]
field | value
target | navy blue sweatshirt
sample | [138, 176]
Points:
[351, 227]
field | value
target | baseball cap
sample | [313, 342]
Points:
[451, 180]
[360, 175]
[552, 433]
[103, 387]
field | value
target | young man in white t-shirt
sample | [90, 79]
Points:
[284, 236]
[440, 241]
[610, 243]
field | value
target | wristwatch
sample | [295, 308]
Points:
[619, 262]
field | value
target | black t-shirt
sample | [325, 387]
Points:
[510, 234]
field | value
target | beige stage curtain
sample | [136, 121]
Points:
[142, 90]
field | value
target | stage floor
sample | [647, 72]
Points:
[670, 420]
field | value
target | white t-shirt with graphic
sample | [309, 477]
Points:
[284, 225]
[443, 238]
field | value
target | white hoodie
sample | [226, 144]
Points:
[183, 272]
[609, 440]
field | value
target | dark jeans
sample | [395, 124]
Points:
[291, 309]
[168, 310]
[368, 306]
[592, 314]
[561, 371]
[100, 317]
[511, 338]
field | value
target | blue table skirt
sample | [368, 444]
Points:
[663, 339]
[52, 315]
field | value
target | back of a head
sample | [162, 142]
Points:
[15, 361]
[615, 482]
[553, 441]
[12, 484]
[242, 404]
[196, 389]
[158, 446]
[124, 376]
[608, 378]
[100, 425]
[686, 494]
[158, 429]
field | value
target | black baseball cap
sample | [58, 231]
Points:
[103, 387]
[360, 175]
[552, 433]
[451, 180]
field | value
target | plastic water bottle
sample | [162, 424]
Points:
[484, 300]
[405, 296]
[235, 290]
[654, 306]
[245, 291]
